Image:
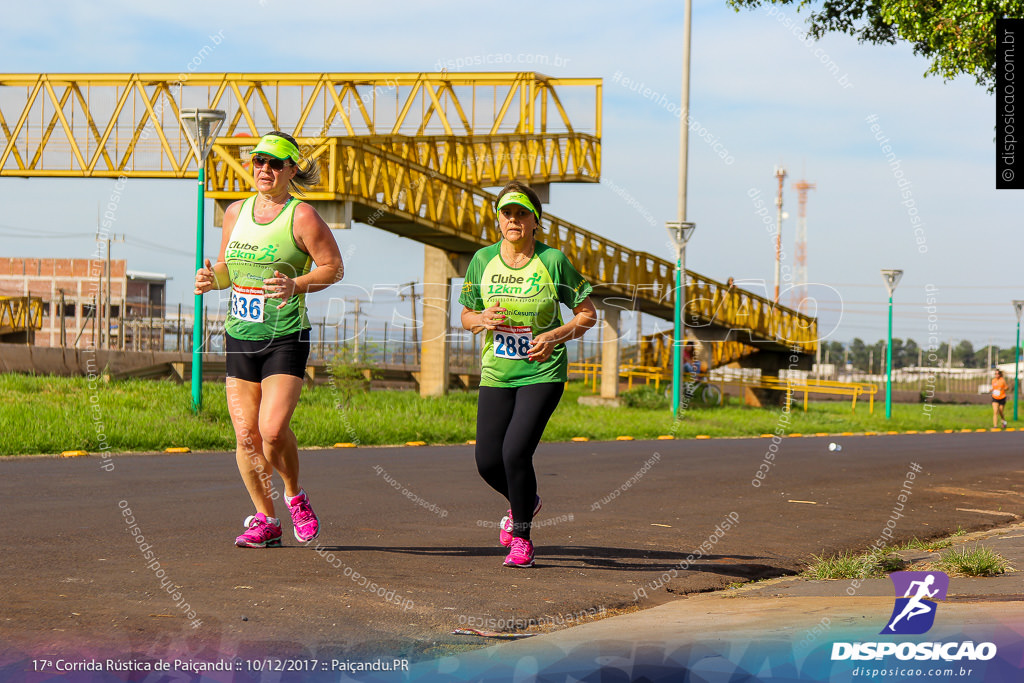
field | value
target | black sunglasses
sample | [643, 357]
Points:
[276, 164]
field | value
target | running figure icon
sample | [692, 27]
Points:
[915, 606]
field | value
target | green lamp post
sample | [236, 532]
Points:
[892, 278]
[680, 232]
[201, 127]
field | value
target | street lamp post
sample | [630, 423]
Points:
[201, 127]
[1018, 305]
[892, 278]
[680, 232]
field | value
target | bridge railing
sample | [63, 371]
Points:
[479, 160]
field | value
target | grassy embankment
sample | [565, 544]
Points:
[55, 414]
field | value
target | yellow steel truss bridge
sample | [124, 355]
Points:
[20, 315]
[411, 150]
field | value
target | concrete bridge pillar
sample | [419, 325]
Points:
[609, 352]
[439, 267]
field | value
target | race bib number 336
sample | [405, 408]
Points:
[512, 342]
[247, 304]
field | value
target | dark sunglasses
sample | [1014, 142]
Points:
[276, 164]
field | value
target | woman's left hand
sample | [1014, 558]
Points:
[542, 347]
[279, 287]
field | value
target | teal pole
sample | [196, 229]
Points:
[888, 367]
[1016, 370]
[197, 319]
[677, 362]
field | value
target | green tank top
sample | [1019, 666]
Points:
[253, 253]
[531, 294]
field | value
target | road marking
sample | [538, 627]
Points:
[988, 512]
[958, 491]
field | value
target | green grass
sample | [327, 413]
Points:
[932, 545]
[54, 414]
[976, 561]
[846, 565]
[917, 544]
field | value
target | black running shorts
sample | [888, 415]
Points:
[254, 361]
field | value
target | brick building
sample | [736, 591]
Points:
[136, 301]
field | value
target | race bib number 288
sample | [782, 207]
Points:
[512, 342]
[247, 304]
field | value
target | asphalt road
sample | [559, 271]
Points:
[394, 577]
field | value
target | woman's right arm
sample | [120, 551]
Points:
[215, 276]
[470, 319]
[487, 319]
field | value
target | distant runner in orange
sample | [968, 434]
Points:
[999, 389]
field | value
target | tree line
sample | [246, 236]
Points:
[907, 353]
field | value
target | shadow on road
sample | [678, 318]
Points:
[612, 559]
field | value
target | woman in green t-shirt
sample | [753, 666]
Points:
[513, 290]
[275, 249]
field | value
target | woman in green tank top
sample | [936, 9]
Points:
[513, 290]
[275, 249]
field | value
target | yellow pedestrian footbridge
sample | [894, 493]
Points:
[410, 153]
[20, 317]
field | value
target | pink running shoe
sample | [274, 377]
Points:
[505, 535]
[260, 534]
[307, 527]
[521, 554]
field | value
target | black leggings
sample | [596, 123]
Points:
[509, 424]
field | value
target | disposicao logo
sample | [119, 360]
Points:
[914, 613]
[917, 594]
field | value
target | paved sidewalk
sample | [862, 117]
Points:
[782, 629]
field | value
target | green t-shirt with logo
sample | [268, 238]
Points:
[531, 294]
[254, 252]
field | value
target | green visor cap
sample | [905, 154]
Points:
[277, 147]
[520, 199]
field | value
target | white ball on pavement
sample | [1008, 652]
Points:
[834, 447]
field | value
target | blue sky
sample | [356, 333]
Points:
[761, 92]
